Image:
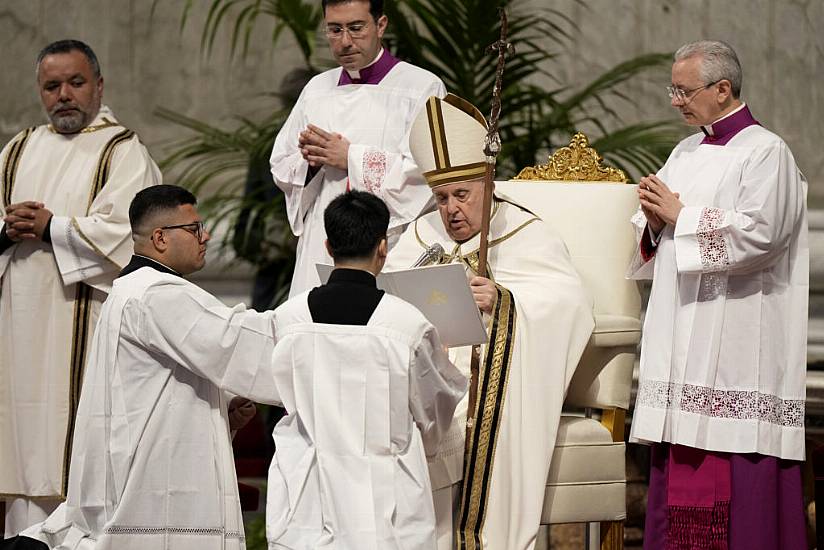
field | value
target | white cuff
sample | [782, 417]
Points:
[76, 259]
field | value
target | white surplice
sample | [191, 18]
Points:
[723, 355]
[551, 324]
[364, 403]
[152, 465]
[51, 293]
[376, 119]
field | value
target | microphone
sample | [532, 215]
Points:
[431, 255]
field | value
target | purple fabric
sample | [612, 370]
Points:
[767, 509]
[372, 74]
[766, 505]
[724, 130]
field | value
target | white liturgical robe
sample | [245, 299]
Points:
[51, 293]
[723, 355]
[376, 119]
[152, 465]
[364, 403]
[540, 326]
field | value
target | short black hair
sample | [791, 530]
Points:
[375, 6]
[66, 46]
[157, 198]
[355, 223]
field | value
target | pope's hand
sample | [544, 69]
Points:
[241, 411]
[484, 292]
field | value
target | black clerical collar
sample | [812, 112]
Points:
[139, 261]
[356, 276]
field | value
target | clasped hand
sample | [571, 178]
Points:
[322, 148]
[660, 205]
[26, 220]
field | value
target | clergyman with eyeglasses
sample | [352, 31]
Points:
[348, 130]
[722, 232]
[170, 373]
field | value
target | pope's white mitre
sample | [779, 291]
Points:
[447, 141]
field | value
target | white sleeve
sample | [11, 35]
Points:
[76, 258]
[230, 347]
[290, 169]
[755, 233]
[100, 243]
[436, 387]
[394, 176]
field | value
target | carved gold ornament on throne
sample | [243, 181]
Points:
[576, 162]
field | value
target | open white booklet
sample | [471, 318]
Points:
[441, 293]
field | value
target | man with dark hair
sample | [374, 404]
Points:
[348, 130]
[64, 236]
[152, 462]
[369, 392]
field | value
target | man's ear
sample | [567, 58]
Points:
[381, 23]
[328, 248]
[159, 240]
[383, 249]
[724, 91]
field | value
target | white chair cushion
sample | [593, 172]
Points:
[587, 479]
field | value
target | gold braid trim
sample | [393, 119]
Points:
[80, 336]
[81, 326]
[480, 458]
[11, 163]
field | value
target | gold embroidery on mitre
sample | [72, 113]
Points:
[576, 162]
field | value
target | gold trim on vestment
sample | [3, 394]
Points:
[101, 175]
[89, 129]
[11, 163]
[80, 336]
[83, 236]
[485, 430]
[82, 309]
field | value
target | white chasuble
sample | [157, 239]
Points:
[538, 330]
[51, 293]
[376, 119]
[365, 405]
[152, 465]
[723, 355]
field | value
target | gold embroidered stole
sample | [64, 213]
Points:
[480, 457]
[82, 308]
[12, 161]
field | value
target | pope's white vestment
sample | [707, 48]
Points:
[365, 404]
[723, 355]
[540, 326]
[376, 119]
[51, 293]
[152, 464]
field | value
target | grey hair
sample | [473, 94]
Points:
[718, 62]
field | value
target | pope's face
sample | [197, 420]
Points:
[69, 91]
[702, 105]
[461, 208]
[354, 53]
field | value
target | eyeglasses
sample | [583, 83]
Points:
[354, 30]
[195, 228]
[682, 95]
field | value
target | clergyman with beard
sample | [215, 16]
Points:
[65, 191]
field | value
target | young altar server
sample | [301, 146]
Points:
[369, 392]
